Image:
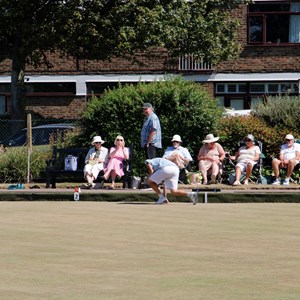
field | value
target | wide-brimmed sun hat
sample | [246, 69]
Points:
[97, 139]
[176, 138]
[210, 139]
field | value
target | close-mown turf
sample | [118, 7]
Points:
[100, 250]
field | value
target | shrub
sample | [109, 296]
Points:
[183, 107]
[281, 112]
[14, 162]
[234, 129]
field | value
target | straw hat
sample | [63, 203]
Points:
[210, 139]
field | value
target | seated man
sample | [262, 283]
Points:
[95, 161]
[178, 154]
[288, 158]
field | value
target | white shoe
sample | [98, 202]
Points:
[276, 182]
[246, 182]
[236, 183]
[161, 199]
[194, 198]
[286, 181]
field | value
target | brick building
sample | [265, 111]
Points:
[269, 63]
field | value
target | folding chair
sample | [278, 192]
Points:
[295, 177]
[229, 166]
[183, 174]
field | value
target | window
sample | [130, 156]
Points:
[232, 88]
[98, 88]
[237, 104]
[274, 23]
[221, 101]
[274, 88]
[257, 88]
[3, 108]
[255, 101]
[51, 87]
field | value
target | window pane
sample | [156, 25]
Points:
[237, 103]
[53, 87]
[220, 88]
[277, 28]
[220, 101]
[294, 27]
[273, 88]
[254, 88]
[256, 28]
[4, 87]
[295, 88]
[267, 7]
[287, 88]
[2, 105]
[242, 88]
[100, 87]
[255, 100]
[231, 88]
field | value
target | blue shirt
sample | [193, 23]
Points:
[152, 122]
[159, 162]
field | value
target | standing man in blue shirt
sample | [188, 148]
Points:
[151, 132]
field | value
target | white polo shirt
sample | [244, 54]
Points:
[289, 152]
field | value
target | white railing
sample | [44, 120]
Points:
[187, 62]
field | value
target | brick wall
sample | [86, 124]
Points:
[56, 107]
[62, 65]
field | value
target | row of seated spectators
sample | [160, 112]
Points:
[210, 159]
[211, 156]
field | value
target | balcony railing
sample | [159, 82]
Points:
[187, 62]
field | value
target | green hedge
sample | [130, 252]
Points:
[183, 107]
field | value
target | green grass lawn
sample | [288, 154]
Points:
[100, 250]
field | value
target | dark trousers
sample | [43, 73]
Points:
[150, 151]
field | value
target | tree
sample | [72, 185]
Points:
[101, 29]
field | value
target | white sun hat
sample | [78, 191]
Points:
[97, 139]
[176, 138]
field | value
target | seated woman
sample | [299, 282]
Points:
[117, 154]
[95, 161]
[247, 156]
[210, 158]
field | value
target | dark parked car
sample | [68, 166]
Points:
[40, 134]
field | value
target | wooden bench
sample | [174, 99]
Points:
[55, 167]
